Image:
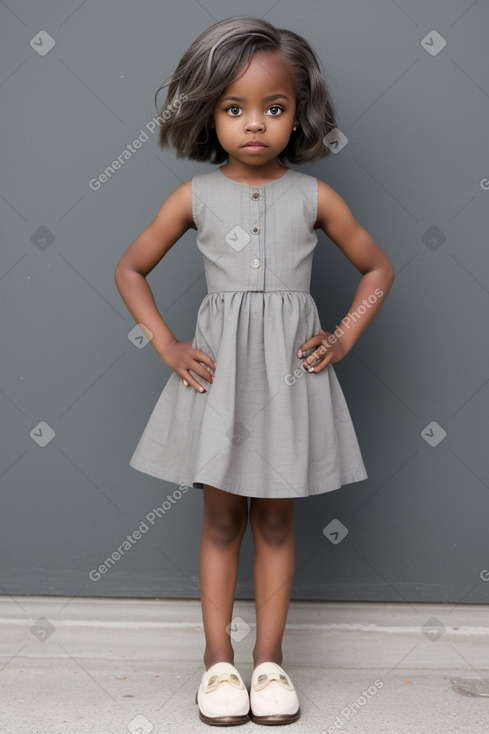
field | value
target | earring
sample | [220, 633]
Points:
[295, 127]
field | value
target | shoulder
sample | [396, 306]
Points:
[186, 196]
[326, 194]
[301, 177]
[305, 187]
[183, 193]
[179, 202]
[330, 205]
[205, 191]
[208, 178]
[205, 184]
[304, 183]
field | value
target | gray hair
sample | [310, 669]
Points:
[213, 61]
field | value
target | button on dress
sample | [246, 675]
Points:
[265, 427]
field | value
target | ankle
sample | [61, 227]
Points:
[267, 657]
[211, 659]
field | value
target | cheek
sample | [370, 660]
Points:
[225, 124]
[287, 128]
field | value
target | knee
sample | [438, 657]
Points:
[272, 526]
[225, 528]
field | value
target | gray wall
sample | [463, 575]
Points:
[415, 174]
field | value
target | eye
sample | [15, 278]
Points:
[278, 109]
[233, 107]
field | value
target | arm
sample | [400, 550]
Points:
[171, 222]
[336, 220]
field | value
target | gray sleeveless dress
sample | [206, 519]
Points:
[265, 427]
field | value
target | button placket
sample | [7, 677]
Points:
[256, 198]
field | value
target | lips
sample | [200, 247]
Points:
[255, 144]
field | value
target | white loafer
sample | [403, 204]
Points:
[273, 697]
[222, 696]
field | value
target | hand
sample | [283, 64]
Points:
[328, 348]
[182, 357]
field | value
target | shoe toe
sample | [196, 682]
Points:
[273, 697]
[222, 696]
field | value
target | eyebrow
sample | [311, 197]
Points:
[266, 99]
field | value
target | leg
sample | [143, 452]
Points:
[224, 524]
[272, 526]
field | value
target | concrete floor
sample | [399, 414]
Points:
[76, 666]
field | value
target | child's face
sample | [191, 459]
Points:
[252, 116]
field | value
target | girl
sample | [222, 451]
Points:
[253, 407]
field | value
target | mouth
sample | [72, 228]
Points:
[256, 145]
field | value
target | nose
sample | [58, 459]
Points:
[255, 123]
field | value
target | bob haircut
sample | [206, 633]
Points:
[213, 61]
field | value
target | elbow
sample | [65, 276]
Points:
[124, 275]
[383, 271]
[120, 273]
[388, 277]
[387, 270]
[117, 272]
[384, 276]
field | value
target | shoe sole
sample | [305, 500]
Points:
[276, 720]
[222, 720]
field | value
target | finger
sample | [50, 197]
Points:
[307, 351]
[311, 343]
[184, 381]
[317, 355]
[200, 356]
[319, 359]
[321, 365]
[202, 371]
[310, 366]
[195, 384]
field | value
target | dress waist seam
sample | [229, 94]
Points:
[241, 290]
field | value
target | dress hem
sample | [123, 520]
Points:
[329, 485]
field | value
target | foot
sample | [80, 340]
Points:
[222, 696]
[273, 697]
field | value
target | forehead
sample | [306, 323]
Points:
[267, 71]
